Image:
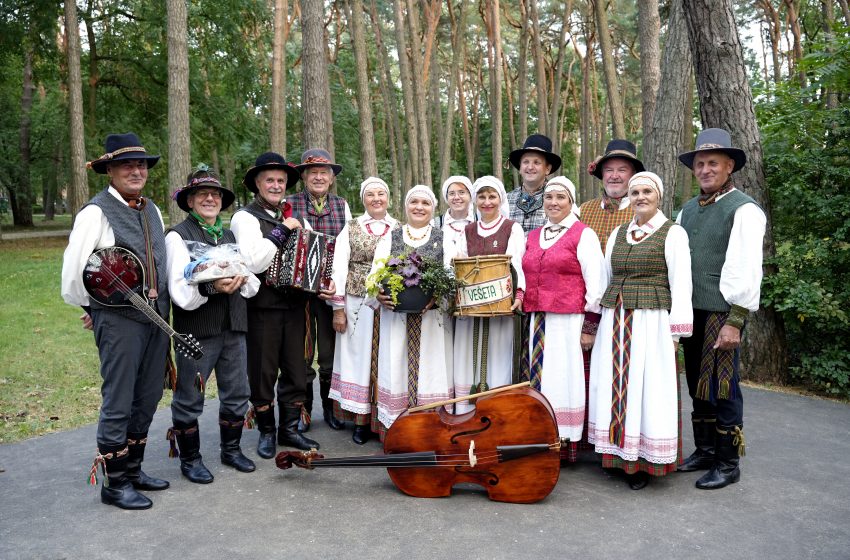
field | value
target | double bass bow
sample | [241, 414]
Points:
[509, 445]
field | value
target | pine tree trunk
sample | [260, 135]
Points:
[663, 135]
[364, 98]
[420, 103]
[22, 207]
[522, 76]
[540, 70]
[315, 88]
[407, 87]
[457, 30]
[726, 102]
[496, 87]
[78, 191]
[685, 176]
[277, 124]
[555, 109]
[94, 72]
[615, 103]
[179, 155]
[649, 31]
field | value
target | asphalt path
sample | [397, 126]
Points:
[793, 501]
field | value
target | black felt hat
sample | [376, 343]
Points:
[203, 177]
[618, 148]
[270, 160]
[537, 143]
[715, 140]
[118, 147]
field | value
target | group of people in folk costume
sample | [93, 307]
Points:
[603, 293]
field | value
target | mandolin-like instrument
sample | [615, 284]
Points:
[509, 445]
[114, 277]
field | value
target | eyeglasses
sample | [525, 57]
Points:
[203, 195]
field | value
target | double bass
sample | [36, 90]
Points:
[509, 445]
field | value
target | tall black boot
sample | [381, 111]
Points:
[306, 417]
[136, 442]
[704, 437]
[117, 490]
[287, 432]
[328, 406]
[265, 425]
[188, 440]
[231, 435]
[725, 471]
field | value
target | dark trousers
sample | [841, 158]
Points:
[226, 353]
[324, 338]
[729, 412]
[276, 344]
[132, 365]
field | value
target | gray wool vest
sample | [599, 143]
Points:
[221, 312]
[127, 226]
[709, 228]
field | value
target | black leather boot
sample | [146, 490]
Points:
[362, 434]
[188, 440]
[136, 442]
[704, 436]
[265, 425]
[287, 432]
[725, 471]
[328, 406]
[638, 480]
[117, 490]
[231, 435]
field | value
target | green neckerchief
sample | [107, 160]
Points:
[216, 231]
[318, 203]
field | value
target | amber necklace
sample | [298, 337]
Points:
[421, 237]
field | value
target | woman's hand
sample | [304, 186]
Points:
[229, 285]
[385, 299]
[340, 321]
[517, 304]
[430, 305]
[587, 341]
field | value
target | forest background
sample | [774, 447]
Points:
[417, 90]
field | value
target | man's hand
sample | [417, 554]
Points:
[292, 223]
[340, 322]
[87, 322]
[729, 338]
[329, 292]
[229, 285]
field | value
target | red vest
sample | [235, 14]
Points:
[553, 280]
[496, 244]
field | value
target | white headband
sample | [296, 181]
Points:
[488, 181]
[650, 179]
[561, 183]
[371, 183]
[423, 191]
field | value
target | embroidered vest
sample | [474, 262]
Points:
[639, 272]
[553, 280]
[495, 244]
[603, 222]
[363, 246]
[433, 248]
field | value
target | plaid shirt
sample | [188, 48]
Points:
[527, 209]
[329, 221]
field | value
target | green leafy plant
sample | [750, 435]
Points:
[399, 272]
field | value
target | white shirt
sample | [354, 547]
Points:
[91, 231]
[740, 277]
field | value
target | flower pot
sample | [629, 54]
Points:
[411, 300]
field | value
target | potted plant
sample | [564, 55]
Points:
[412, 280]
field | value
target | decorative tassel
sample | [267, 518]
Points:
[249, 419]
[703, 392]
[724, 389]
[305, 416]
[171, 436]
[101, 461]
[170, 379]
[739, 441]
[199, 382]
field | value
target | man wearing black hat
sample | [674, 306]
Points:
[215, 312]
[132, 348]
[535, 162]
[612, 208]
[276, 325]
[326, 213]
[725, 230]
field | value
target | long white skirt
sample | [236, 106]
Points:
[562, 379]
[652, 424]
[436, 374]
[353, 358]
[500, 353]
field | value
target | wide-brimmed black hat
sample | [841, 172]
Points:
[618, 148]
[317, 156]
[270, 160]
[118, 147]
[715, 140]
[537, 143]
[203, 177]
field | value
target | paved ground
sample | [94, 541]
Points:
[793, 502]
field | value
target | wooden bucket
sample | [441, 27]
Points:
[488, 289]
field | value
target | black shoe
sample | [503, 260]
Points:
[288, 434]
[195, 470]
[638, 480]
[188, 440]
[136, 443]
[117, 490]
[231, 452]
[265, 424]
[330, 419]
[704, 439]
[361, 435]
[725, 471]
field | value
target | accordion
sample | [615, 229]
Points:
[304, 262]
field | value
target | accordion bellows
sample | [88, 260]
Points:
[303, 262]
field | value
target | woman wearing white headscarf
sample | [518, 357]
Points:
[564, 282]
[634, 389]
[457, 194]
[492, 234]
[353, 382]
[425, 337]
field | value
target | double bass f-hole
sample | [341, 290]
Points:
[484, 420]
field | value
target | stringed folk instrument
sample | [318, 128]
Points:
[509, 445]
[114, 277]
